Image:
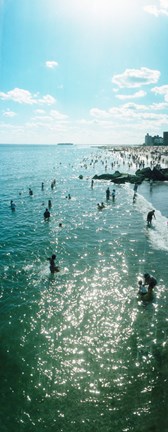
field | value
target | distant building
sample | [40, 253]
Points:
[155, 140]
[148, 140]
[165, 138]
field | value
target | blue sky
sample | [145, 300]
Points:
[87, 72]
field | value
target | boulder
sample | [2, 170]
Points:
[103, 177]
[119, 178]
[144, 174]
[160, 174]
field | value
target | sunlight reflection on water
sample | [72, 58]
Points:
[86, 347]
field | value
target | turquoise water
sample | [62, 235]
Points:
[79, 350]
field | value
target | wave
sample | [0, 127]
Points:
[157, 233]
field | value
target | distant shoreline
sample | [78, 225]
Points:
[65, 144]
[146, 149]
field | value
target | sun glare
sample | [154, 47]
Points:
[98, 10]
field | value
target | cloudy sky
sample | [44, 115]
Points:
[83, 71]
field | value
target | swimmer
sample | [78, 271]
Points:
[30, 192]
[100, 206]
[53, 267]
[49, 204]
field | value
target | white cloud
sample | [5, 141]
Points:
[132, 78]
[50, 119]
[19, 96]
[98, 113]
[161, 8]
[130, 113]
[115, 112]
[57, 115]
[48, 100]
[162, 90]
[159, 106]
[51, 64]
[39, 111]
[22, 96]
[152, 9]
[136, 95]
[9, 113]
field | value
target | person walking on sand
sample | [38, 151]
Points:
[150, 215]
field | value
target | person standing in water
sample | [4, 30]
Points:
[49, 204]
[150, 281]
[150, 215]
[53, 267]
[107, 194]
[46, 214]
[142, 289]
[13, 205]
[113, 195]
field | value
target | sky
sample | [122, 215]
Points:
[89, 72]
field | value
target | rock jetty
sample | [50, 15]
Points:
[155, 174]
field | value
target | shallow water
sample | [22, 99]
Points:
[79, 350]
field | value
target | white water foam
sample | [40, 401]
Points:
[157, 233]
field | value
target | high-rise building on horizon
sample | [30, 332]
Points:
[156, 140]
[165, 138]
[148, 140]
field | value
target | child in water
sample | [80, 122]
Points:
[53, 267]
[142, 289]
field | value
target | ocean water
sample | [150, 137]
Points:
[80, 352]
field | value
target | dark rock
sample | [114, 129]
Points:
[103, 177]
[144, 174]
[160, 174]
[119, 178]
